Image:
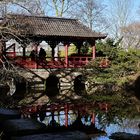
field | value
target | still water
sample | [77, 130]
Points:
[127, 125]
[111, 125]
[123, 125]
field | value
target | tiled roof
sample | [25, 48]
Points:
[52, 26]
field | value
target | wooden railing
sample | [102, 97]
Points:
[48, 62]
[79, 60]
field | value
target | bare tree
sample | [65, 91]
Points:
[60, 8]
[37, 7]
[131, 35]
[90, 12]
[32, 7]
[119, 15]
[3, 8]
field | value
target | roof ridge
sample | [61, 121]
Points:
[48, 17]
[51, 26]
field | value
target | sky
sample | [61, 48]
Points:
[110, 14]
[136, 5]
[134, 11]
[108, 24]
[136, 8]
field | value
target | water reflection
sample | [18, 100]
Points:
[124, 125]
[127, 125]
[109, 122]
[117, 119]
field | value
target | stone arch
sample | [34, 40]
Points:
[12, 86]
[52, 85]
[17, 88]
[20, 88]
[79, 85]
[137, 87]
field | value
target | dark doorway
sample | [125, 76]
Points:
[52, 86]
[79, 85]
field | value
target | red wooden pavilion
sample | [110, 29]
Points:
[26, 29]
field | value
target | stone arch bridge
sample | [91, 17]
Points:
[54, 82]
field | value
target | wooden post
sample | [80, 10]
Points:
[106, 107]
[66, 55]
[24, 51]
[53, 52]
[52, 122]
[93, 51]
[93, 119]
[52, 116]
[35, 46]
[14, 50]
[2, 48]
[66, 115]
[53, 45]
[58, 117]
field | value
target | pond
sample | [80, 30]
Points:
[117, 119]
[127, 125]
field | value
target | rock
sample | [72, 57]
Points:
[74, 135]
[6, 114]
[124, 136]
[21, 127]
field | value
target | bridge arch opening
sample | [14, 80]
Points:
[20, 88]
[79, 85]
[52, 86]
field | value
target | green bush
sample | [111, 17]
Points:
[123, 63]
